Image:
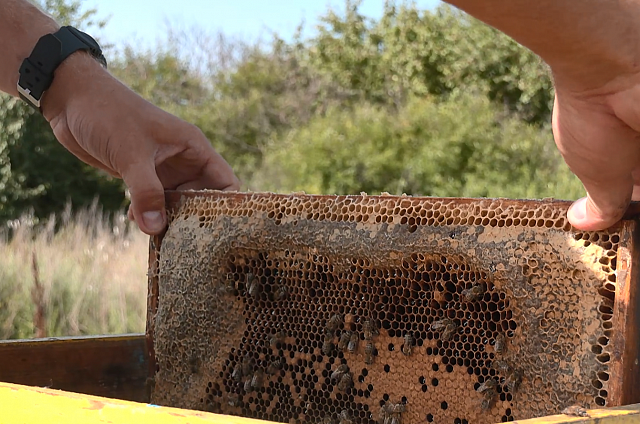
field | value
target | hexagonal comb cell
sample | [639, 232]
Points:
[390, 310]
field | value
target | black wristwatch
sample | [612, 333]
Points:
[37, 71]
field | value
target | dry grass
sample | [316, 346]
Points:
[89, 277]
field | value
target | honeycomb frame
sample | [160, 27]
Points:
[448, 279]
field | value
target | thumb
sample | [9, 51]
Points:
[147, 197]
[603, 206]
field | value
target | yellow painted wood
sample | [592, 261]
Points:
[620, 415]
[34, 405]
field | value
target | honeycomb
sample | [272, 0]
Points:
[381, 309]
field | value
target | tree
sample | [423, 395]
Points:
[413, 52]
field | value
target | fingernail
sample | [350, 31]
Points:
[153, 220]
[579, 209]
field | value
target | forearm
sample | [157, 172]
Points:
[21, 25]
[589, 42]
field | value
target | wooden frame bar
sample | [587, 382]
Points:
[110, 366]
[627, 317]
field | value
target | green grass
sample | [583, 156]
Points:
[92, 273]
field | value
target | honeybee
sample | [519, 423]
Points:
[333, 324]
[345, 337]
[280, 294]
[512, 380]
[500, 345]
[369, 349]
[489, 399]
[448, 326]
[345, 381]
[501, 366]
[489, 384]
[277, 338]
[398, 409]
[370, 329]
[247, 385]
[274, 367]
[353, 342]
[237, 372]
[408, 344]
[247, 365]
[337, 374]
[344, 417]
[474, 293]
[327, 419]
[253, 285]
[576, 411]
[386, 412]
[258, 379]
[441, 324]
[327, 347]
[234, 399]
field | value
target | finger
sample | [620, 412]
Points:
[591, 213]
[609, 194]
[147, 197]
[216, 175]
[602, 153]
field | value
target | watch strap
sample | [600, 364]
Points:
[37, 71]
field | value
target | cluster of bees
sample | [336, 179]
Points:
[252, 378]
[349, 340]
[512, 380]
[513, 376]
[447, 326]
[246, 372]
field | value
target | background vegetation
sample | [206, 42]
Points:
[419, 102]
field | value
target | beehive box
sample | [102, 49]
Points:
[364, 309]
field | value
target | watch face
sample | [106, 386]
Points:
[86, 38]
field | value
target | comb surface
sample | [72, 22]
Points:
[390, 309]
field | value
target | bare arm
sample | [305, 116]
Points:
[21, 25]
[593, 49]
[110, 127]
[589, 41]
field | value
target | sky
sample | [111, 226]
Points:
[144, 21]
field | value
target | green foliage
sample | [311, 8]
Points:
[461, 146]
[36, 172]
[412, 52]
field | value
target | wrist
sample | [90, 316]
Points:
[21, 26]
[70, 82]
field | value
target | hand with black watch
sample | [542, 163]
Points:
[62, 73]
[37, 71]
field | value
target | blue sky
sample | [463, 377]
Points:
[144, 20]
